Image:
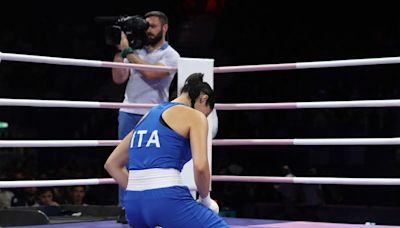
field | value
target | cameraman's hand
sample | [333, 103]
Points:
[124, 41]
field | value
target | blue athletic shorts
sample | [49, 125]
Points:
[171, 207]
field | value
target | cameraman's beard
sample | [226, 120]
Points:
[154, 40]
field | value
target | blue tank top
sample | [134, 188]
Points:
[155, 145]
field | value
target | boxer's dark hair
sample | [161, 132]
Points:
[194, 86]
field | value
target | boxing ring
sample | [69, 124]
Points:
[233, 222]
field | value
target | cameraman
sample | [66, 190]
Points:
[144, 86]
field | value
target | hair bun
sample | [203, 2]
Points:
[195, 79]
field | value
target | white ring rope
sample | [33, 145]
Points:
[81, 62]
[309, 142]
[218, 106]
[216, 178]
[308, 65]
[57, 143]
[310, 180]
[53, 183]
[69, 104]
[225, 69]
[215, 142]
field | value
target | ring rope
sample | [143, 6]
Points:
[308, 65]
[218, 106]
[53, 183]
[57, 143]
[70, 104]
[307, 142]
[224, 69]
[81, 62]
[215, 142]
[309, 180]
[216, 178]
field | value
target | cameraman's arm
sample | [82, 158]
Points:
[133, 58]
[120, 75]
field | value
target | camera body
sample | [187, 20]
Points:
[133, 26]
